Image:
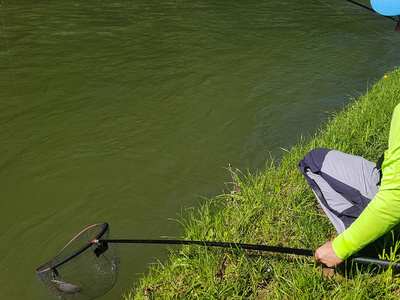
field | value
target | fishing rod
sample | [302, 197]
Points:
[370, 9]
[396, 29]
[103, 246]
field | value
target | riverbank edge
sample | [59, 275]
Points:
[275, 207]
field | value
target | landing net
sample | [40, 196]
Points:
[78, 271]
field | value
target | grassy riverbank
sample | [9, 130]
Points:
[276, 207]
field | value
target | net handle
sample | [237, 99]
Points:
[359, 260]
[304, 252]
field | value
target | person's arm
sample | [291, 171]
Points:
[381, 215]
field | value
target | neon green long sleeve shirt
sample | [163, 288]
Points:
[383, 212]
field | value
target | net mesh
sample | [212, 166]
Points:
[78, 271]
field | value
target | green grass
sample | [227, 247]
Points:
[276, 207]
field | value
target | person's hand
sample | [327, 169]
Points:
[327, 256]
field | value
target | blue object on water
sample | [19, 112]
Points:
[386, 7]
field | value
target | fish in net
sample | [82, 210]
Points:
[82, 269]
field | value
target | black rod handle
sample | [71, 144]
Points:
[376, 261]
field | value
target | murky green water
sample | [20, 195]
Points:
[128, 111]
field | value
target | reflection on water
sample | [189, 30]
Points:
[127, 112]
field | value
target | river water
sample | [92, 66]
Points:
[129, 111]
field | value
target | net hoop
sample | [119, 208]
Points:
[45, 267]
